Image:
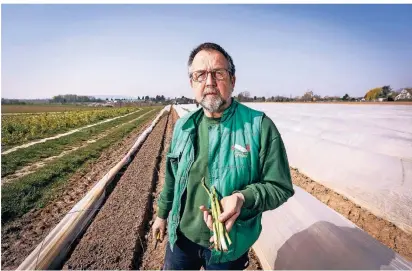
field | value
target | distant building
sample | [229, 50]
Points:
[406, 94]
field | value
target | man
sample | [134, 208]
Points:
[237, 150]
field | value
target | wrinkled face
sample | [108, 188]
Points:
[212, 91]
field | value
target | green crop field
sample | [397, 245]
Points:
[36, 188]
[18, 129]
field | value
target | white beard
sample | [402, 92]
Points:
[213, 104]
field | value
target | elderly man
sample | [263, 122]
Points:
[237, 150]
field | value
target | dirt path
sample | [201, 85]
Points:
[20, 237]
[382, 230]
[39, 164]
[114, 240]
[153, 259]
[65, 134]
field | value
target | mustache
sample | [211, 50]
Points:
[211, 91]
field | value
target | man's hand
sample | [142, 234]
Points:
[159, 226]
[231, 209]
[231, 206]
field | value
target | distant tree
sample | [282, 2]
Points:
[13, 101]
[345, 97]
[243, 96]
[308, 96]
[317, 97]
[386, 90]
[373, 94]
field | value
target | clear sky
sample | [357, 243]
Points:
[136, 50]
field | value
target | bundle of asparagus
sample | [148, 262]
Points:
[219, 230]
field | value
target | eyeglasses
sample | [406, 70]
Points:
[218, 74]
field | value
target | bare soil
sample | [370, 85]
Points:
[20, 237]
[114, 240]
[382, 230]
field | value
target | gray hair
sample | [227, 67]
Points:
[208, 46]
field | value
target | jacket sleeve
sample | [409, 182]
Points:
[275, 185]
[165, 201]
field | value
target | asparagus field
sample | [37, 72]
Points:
[17, 129]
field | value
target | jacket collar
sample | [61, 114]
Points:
[195, 116]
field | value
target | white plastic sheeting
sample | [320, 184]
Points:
[363, 152]
[306, 234]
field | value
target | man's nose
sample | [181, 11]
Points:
[210, 80]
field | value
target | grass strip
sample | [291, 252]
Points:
[39, 188]
[13, 161]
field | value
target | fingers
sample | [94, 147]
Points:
[229, 223]
[209, 222]
[226, 215]
[207, 217]
[159, 229]
[162, 234]
[154, 232]
[203, 208]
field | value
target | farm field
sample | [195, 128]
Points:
[129, 246]
[32, 176]
[22, 128]
[20, 109]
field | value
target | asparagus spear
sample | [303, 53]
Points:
[219, 230]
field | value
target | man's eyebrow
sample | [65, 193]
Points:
[219, 68]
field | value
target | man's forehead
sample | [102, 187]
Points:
[209, 59]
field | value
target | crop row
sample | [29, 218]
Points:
[17, 129]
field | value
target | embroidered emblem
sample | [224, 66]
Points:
[240, 151]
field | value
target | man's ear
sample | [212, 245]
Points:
[191, 83]
[233, 80]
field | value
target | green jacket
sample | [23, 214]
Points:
[234, 165]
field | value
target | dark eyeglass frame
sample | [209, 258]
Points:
[213, 72]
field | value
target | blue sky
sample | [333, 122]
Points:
[136, 50]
